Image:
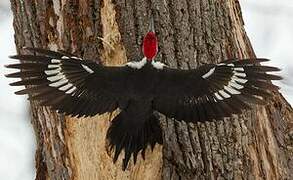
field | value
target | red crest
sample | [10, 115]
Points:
[150, 45]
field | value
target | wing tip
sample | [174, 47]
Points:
[13, 66]
[262, 59]
[19, 93]
[13, 56]
[13, 84]
[276, 88]
[277, 68]
[8, 75]
[275, 77]
[8, 65]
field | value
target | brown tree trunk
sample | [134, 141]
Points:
[254, 145]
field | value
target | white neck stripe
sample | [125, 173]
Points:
[137, 64]
[158, 65]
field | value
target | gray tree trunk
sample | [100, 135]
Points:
[254, 145]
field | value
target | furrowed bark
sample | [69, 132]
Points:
[257, 144]
[254, 145]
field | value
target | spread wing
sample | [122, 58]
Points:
[213, 91]
[70, 85]
[85, 88]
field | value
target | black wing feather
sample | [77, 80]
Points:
[214, 91]
[64, 82]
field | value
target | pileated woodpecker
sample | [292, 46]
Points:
[79, 88]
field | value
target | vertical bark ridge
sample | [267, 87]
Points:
[141, 14]
[126, 23]
[165, 33]
[182, 32]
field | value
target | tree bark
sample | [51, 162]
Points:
[257, 144]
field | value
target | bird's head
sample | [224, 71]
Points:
[150, 43]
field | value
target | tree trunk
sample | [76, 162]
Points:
[257, 144]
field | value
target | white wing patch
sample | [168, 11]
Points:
[54, 71]
[89, 70]
[137, 65]
[71, 90]
[224, 94]
[65, 57]
[66, 87]
[51, 66]
[208, 74]
[239, 74]
[241, 80]
[218, 96]
[239, 69]
[58, 79]
[55, 61]
[231, 90]
[74, 57]
[59, 83]
[236, 83]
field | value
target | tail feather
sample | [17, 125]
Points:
[132, 138]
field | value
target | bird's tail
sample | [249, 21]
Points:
[133, 136]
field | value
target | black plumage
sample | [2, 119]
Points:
[84, 88]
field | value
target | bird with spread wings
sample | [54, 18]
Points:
[85, 88]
